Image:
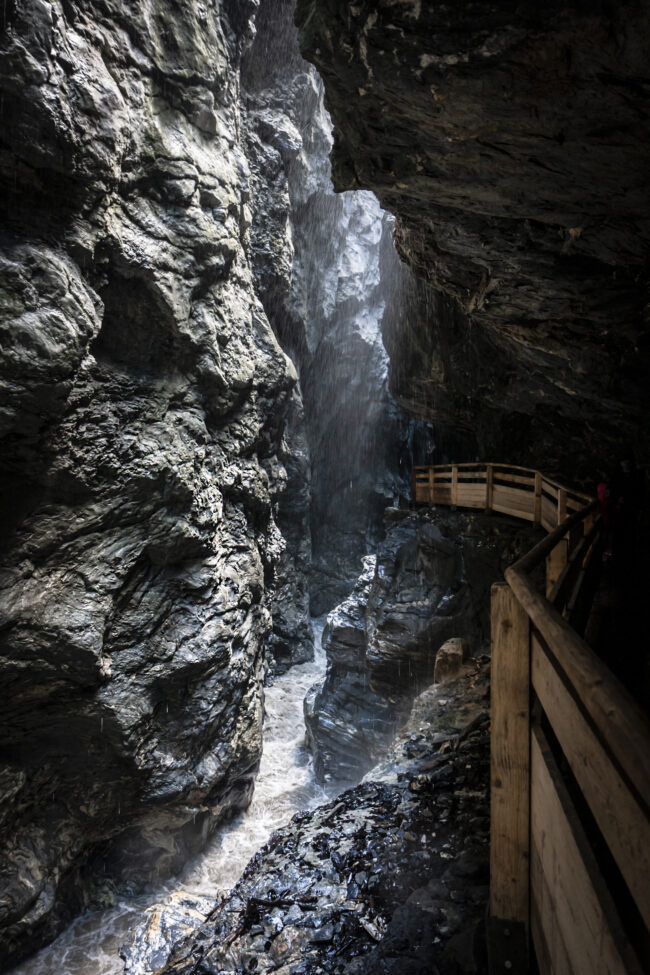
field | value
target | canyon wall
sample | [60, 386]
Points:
[168, 229]
[144, 396]
[324, 266]
[428, 583]
[511, 141]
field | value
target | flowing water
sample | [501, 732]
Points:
[285, 785]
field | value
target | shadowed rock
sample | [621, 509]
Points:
[429, 583]
[511, 141]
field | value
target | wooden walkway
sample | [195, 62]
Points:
[570, 762]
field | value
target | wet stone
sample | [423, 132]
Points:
[396, 889]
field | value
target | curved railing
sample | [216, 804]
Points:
[504, 488]
[570, 747]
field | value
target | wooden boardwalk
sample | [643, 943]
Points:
[570, 763]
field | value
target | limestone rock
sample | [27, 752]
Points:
[511, 142]
[450, 658]
[143, 400]
[431, 581]
[324, 269]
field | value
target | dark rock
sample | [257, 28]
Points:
[404, 848]
[430, 583]
[144, 395]
[511, 141]
[450, 658]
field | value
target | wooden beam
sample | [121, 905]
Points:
[567, 578]
[489, 487]
[561, 505]
[432, 481]
[538, 498]
[556, 561]
[618, 718]
[624, 825]
[577, 906]
[510, 771]
[454, 485]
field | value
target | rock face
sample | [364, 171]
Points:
[324, 268]
[512, 142]
[391, 877]
[144, 395]
[430, 583]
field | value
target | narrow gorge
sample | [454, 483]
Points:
[242, 294]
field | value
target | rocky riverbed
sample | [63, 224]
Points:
[390, 877]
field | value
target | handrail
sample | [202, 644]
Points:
[528, 494]
[545, 882]
[539, 552]
[617, 716]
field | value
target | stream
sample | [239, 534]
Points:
[284, 786]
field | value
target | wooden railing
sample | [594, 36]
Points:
[515, 491]
[570, 762]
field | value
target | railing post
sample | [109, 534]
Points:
[561, 505]
[537, 511]
[555, 562]
[489, 487]
[432, 480]
[454, 485]
[510, 758]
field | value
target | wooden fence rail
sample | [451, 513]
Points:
[570, 764]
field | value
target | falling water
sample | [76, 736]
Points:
[285, 785]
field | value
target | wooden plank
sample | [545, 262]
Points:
[538, 498]
[556, 560]
[549, 511]
[432, 486]
[517, 508]
[550, 950]
[519, 503]
[584, 912]
[561, 505]
[509, 757]
[513, 496]
[473, 492]
[503, 509]
[514, 479]
[489, 488]
[615, 714]
[624, 825]
[454, 485]
[471, 500]
[567, 578]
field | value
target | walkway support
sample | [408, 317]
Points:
[570, 760]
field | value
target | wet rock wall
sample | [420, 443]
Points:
[144, 395]
[428, 583]
[323, 265]
[511, 142]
